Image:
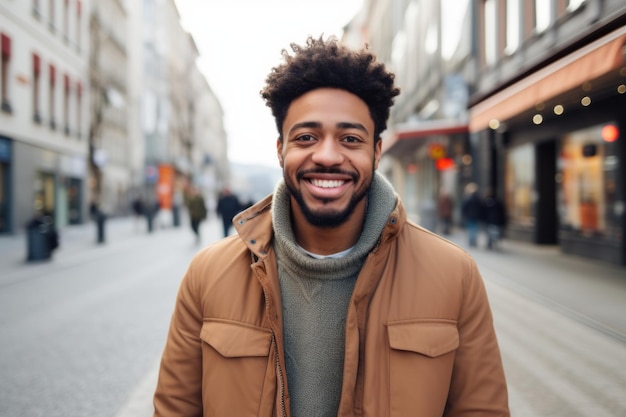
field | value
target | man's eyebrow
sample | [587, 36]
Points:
[314, 125]
[318, 125]
[349, 125]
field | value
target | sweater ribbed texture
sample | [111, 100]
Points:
[315, 296]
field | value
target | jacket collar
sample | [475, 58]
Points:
[254, 225]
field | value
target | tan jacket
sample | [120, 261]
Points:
[419, 333]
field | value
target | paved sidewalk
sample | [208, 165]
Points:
[590, 291]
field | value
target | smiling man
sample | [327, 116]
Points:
[329, 301]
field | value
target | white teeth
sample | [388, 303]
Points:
[327, 183]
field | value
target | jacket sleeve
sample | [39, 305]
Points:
[178, 392]
[478, 386]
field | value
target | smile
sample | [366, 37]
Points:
[327, 183]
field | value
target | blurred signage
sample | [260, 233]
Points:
[165, 186]
[152, 174]
[436, 151]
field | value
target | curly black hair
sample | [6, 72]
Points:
[329, 63]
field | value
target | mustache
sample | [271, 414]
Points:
[302, 173]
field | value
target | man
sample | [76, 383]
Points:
[472, 210]
[228, 206]
[329, 302]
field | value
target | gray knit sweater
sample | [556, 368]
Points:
[315, 296]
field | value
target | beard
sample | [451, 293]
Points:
[328, 218]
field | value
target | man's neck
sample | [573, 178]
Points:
[327, 240]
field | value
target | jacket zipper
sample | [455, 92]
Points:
[280, 379]
[279, 371]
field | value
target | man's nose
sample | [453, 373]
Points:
[328, 153]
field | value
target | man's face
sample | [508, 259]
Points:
[328, 155]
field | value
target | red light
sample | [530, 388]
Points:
[610, 133]
[444, 163]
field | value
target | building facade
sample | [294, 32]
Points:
[547, 120]
[44, 111]
[426, 44]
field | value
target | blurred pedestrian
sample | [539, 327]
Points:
[444, 210]
[330, 301]
[494, 216]
[197, 210]
[228, 205]
[138, 208]
[471, 209]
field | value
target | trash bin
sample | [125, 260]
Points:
[42, 239]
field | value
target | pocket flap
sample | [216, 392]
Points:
[233, 339]
[430, 338]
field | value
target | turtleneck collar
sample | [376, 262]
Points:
[381, 202]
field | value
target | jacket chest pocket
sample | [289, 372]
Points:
[421, 359]
[236, 366]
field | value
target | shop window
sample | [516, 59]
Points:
[36, 82]
[44, 193]
[52, 96]
[4, 72]
[587, 199]
[520, 185]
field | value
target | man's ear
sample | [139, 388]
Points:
[279, 151]
[378, 149]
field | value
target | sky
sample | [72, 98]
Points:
[239, 42]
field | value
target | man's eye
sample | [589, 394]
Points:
[351, 139]
[305, 138]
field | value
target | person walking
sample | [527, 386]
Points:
[228, 206]
[330, 301]
[494, 215]
[472, 213]
[444, 210]
[197, 211]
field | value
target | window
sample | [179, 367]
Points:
[543, 15]
[513, 13]
[78, 16]
[574, 4]
[36, 10]
[4, 72]
[79, 99]
[36, 82]
[588, 175]
[51, 96]
[51, 15]
[66, 104]
[490, 44]
[66, 11]
[520, 185]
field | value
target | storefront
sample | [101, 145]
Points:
[552, 144]
[569, 190]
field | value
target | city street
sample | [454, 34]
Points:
[81, 335]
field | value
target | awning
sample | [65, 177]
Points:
[407, 137]
[590, 62]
